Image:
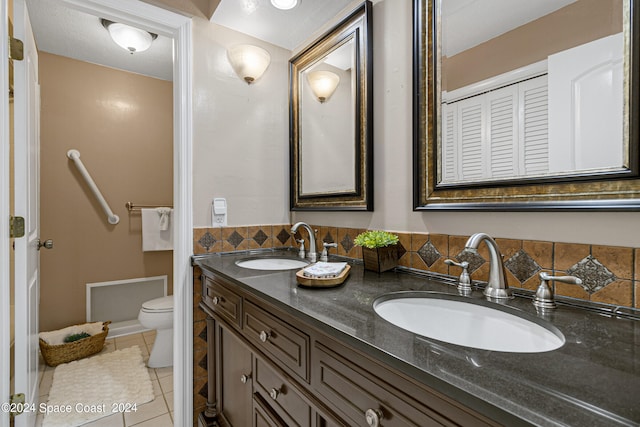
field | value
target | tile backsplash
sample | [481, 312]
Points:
[610, 274]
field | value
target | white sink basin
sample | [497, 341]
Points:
[467, 322]
[272, 263]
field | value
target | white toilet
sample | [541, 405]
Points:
[158, 314]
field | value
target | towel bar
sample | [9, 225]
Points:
[134, 207]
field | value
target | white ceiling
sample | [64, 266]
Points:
[284, 28]
[66, 32]
[63, 31]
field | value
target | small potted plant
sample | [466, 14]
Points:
[379, 250]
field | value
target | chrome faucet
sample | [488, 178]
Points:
[544, 295]
[312, 254]
[324, 256]
[496, 286]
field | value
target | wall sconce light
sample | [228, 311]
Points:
[248, 61]
[323, 84]
[127, 37]
[284, 4]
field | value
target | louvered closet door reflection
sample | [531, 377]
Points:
[534, 130]
[449, 143]
[471, 131]
[502, 132]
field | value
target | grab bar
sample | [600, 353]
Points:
[75, 156]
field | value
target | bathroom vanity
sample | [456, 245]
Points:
[281, 354]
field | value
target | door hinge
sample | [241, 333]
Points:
[16, 226]
[16, 49]
[17, 404]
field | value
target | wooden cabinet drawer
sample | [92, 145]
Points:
[222, 300]
[288, 346]
[262, 416]
[354, 387]
[280, 396]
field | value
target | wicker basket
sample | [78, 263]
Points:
[56, 354]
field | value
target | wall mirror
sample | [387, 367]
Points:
[331, 110]
[522, 105]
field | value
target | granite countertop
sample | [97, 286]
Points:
[593, 380]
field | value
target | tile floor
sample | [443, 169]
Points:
[157, 413]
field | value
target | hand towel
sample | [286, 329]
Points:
[324, 270]
[153, 237]
[164, 217]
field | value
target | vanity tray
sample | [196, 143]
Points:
[323, 282]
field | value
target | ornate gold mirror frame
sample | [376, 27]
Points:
[353, 31]
[578, 191]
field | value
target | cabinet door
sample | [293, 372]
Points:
[234, 372]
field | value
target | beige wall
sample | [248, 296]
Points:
[240, 132]
[393, 156]
[573, 25]
[241, 149]
[122, 124]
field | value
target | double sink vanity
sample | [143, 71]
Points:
[405, 349]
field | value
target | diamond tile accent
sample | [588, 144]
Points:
[522, 266]
[401, 250]
[207, 241]
[472, 257]
[260, 237]
[203, 362]
[203, 334]
[594, 275]
[429, 253]
[328, 238]
[347, 243]
[283, 236]
[203, 391]
[235, 239]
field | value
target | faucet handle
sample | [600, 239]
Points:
[464, 282]
[324, 256]
[544, 295]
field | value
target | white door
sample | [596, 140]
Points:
[5, 247]
[586, 106]
[27, 176]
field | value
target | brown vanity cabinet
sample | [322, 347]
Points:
[287, 346]
[235, 364]
[273, 369]
[281, 396]
[262, 416]
[222, 300]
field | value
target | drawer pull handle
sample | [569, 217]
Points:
[215, 300]
[245, 378]
[373, 417]
[264, 336]
[274, 393]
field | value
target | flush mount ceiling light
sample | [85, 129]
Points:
[323, 84]
[284, 4]
[127, 37]
[248, 61]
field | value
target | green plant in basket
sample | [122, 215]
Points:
[375, 239]
[76, 337]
